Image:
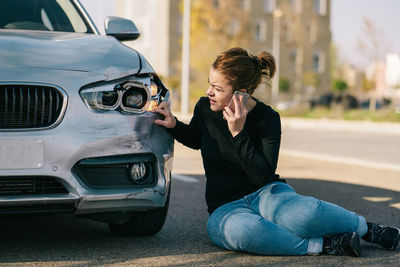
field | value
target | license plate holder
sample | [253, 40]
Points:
[21, 154]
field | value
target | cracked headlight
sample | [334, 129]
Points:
[136, 97]
[132, 96]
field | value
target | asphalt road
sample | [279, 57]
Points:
[63, 240]
[379, 150]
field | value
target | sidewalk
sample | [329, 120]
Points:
[390, 128]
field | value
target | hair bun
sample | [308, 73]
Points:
[267, 63]
[261, 63]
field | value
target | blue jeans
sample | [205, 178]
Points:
[275, 220]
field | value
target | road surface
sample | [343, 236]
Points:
[373, 191]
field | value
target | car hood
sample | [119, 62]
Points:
[95, 54]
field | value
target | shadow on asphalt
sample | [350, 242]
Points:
[375, 204]
[66, 240]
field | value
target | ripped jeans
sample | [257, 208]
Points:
[275, 220]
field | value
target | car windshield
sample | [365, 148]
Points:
[42, 15]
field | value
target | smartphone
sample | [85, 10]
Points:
[246, 96]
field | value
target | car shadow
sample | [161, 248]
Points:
[66, 240]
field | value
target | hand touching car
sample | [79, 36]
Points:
[169, 120]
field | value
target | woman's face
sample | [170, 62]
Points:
[220, 91]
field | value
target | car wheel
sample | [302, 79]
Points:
[142, 223]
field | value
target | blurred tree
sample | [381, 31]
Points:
[372, 46]
[335, 62]
[371, 42]
[338, 82]
[367, 84]
[216, 25]
[298, 32]
[310, 81]
[339, 85]
[284, 85]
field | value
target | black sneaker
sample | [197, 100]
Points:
[342, 244]
[387, 237]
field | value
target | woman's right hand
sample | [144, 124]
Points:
[169, 120]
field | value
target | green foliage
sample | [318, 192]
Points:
[284, 85]
[339, 85]
[380, 115]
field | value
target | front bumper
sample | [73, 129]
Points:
[81, 135]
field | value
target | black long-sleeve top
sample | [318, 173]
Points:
[234, 166]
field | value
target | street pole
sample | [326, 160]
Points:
[185, 58]
[276, 52]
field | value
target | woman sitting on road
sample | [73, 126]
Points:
[251, 208]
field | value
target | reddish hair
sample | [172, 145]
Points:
[243, 70]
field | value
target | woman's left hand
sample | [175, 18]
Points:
[237, 118]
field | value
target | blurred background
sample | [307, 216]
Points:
[337, 59]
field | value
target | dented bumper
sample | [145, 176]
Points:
[83, 135]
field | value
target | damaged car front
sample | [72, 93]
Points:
[76, 134]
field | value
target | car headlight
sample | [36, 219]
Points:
[131, 96]
[135, 97]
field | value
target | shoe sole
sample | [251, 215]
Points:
[396, 240]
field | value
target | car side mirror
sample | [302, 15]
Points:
[121, 29]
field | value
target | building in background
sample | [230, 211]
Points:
[393, 73]
[385, 76]
[304, 39]
[377, 73]
[353, 77]
[393, 79]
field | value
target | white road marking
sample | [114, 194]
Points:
[395, 205]
[342, 160]
[378, 199]
[184, 178]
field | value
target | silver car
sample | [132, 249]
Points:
[76, 134]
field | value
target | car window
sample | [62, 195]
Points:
[43, 15]
[74, 16]
[46, 20]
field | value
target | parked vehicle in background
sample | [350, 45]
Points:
[347, 101]
[76, 134]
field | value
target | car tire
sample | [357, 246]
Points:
[142, 223]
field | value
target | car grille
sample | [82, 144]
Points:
[113, 171]
[29, 106]
[30, 185]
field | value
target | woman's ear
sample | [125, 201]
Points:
[242, 90]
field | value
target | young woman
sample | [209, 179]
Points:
[251, 208]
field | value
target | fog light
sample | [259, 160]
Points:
[137, 172]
